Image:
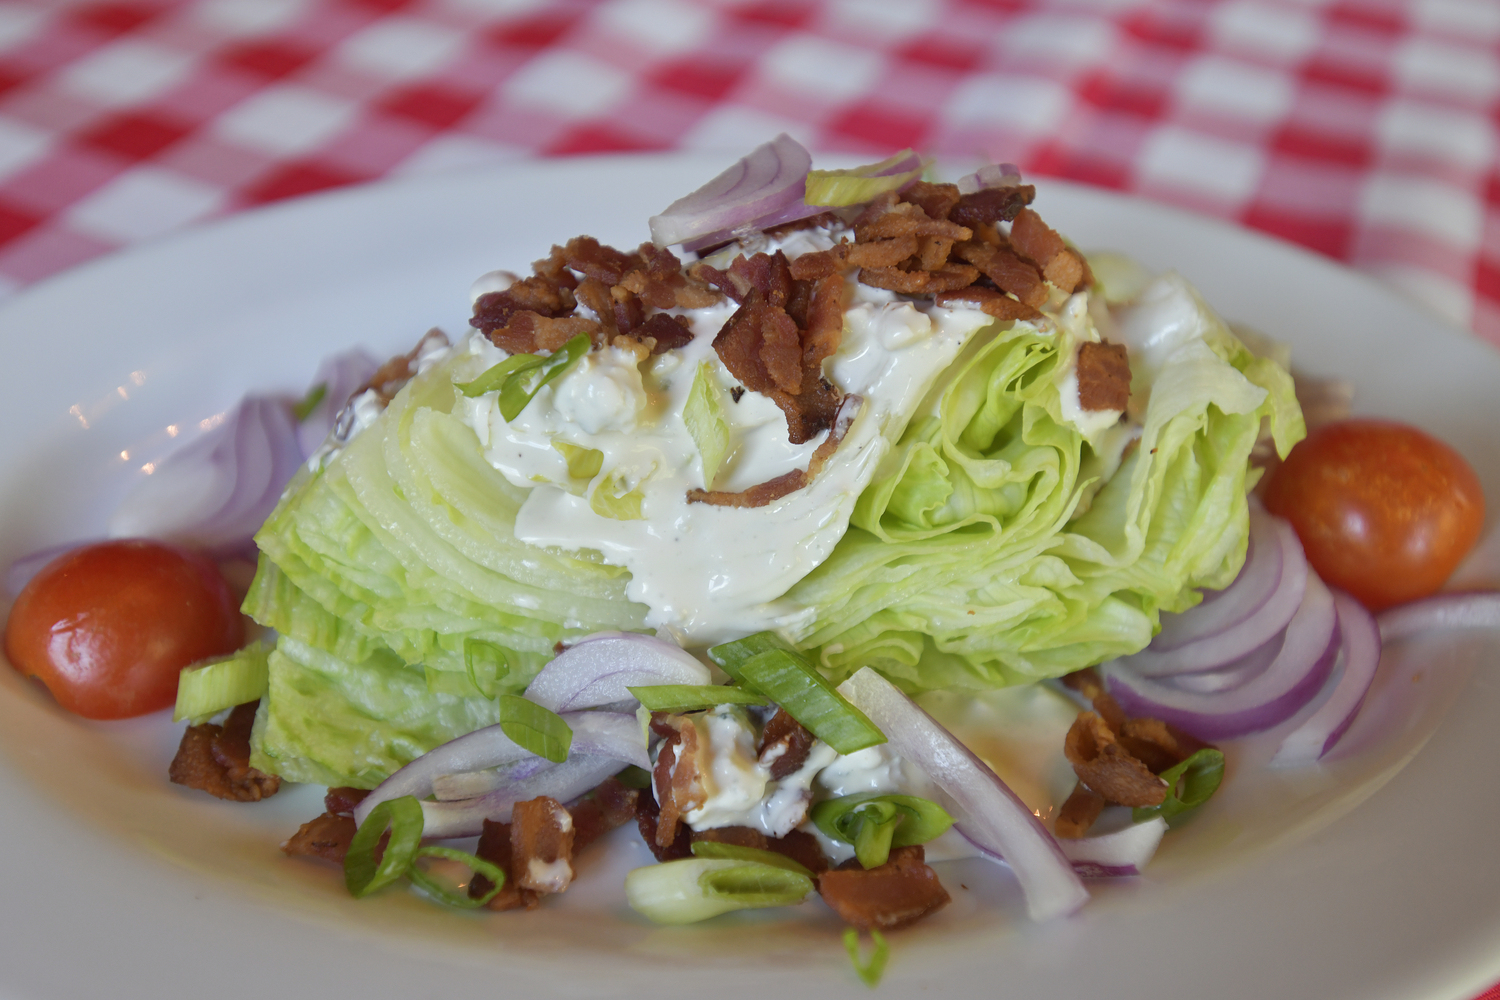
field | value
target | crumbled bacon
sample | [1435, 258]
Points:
[1040, 242]
[327, 836]
[992, 205]
[888, 220]
[948, 278]
[937, 200]
[1009, 272]
[395, 373]
[784, 744]
[495, 847]
[1078, 812]
[648, 821]
[771, 490]
[679, 786]
[1108, 768]
[528, 332]
[800, 846]
[541, 843]
[216, 759]
[341, 801]
[596, 260]
[1087, 683]
[992, 301]
[894, 895]
[1103, 377]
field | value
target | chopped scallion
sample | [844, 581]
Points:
[736, 852]
[730, 656]
[495, 376]
[487, 664]
[310, 402]
[455, 897]
[875, 822]
[691, 697]
[872, 969]
[362, 875]
[693, 889]
[1189, 785]
[211, 688]
[531, 726]
[524, 383]
[790, 681]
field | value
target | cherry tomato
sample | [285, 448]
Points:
[107, 627]
[1384, 511]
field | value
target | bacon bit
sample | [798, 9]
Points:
[992, 205]
[592, 259]
[606, 807]
[553, 269]
[495, 847]
[932, 254]
[1158, 744]
[818, 264]
[341, 801]
[648, 820]
[1010, 272]
[824, 325]
[216, 759]
[1106, 767]
[905, 219]
[541, 844]
[528, 332]
[769, 274]
[679, 786]
[629, 313]
[326, 836]
[1103, 377]
[992, 301]
[937, 200]
[949, 278]
[882, 252]
[667, 332]
[784, 744]
[802, 847]
[811, 222]
[712, 277]
[1058, 263]
[894, 895]
[595, 295]
[1087, 683]
[395, 373]
[781, 350]
[493, 310]
[1078, 813]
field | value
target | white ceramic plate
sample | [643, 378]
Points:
[119, 884]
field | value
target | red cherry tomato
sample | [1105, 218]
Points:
[107, 627]
[1384, 511]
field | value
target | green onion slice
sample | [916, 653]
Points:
[524, 383]
[495, 376]
[736, 852]
[875, 822]
[458, 897]
[403, 816]
[1189, 785]
[790, 681]
[691, 697]
[533, 727]
[731, 656]
[487, 664]
[310, 402]
[870, 971]
[209, 689]
[752, 885]
[693, 889]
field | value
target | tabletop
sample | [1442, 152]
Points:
[1362, 129]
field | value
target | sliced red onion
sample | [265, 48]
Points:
[340, 375]
[1460, 609]
[614, 736]
[994, 175]
[1360, 651]
[993, 817]
[1298, 672]
[1122, 853]
[1231, 675]
[216, 492]
[599, 669]
[770, 179]
[563, 782]
[1250, 612]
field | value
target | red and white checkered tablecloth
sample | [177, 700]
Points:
[1364, 129]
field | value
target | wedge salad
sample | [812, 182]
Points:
[675, 536]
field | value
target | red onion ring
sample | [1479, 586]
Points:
[992, 817]
[1459, 609]
[1360, 652]
[1289, 682]
[1248, 614]
[600, 668]
[771, 179]
[1120, 854]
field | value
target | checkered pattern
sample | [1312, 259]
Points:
[1364, 129]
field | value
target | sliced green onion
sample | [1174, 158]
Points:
[731, 656]
[634, 777]
[703, 413]
[790, 681]
[1189, 785]
[458, 897]
[209, 689]
[487, 664]
[875, 822]
[404, 817]
[690, 697]
[693, 889]
[531, 726]
[310, 402]
[857, 185]
[495, 376]
[610, 499]
[737, 852]
[524, 383]
[870, 971]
